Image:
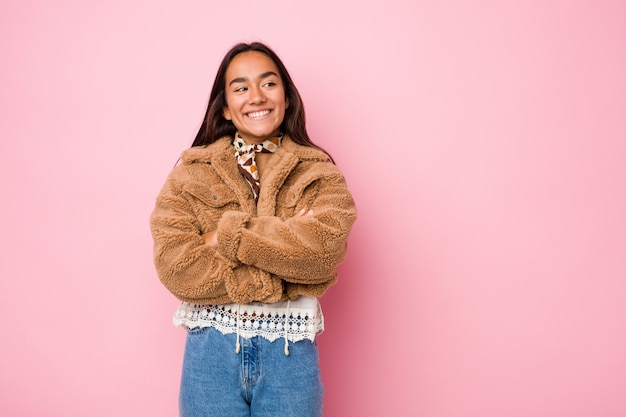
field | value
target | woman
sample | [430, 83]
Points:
[248, 232]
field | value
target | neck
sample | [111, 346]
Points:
[257, 140]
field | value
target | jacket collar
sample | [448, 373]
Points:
[221, 156]
[223, 146]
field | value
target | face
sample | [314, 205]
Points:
[255, 96]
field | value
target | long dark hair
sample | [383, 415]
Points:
[215, 126]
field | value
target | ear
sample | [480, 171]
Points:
[286, 103]
[226, 113]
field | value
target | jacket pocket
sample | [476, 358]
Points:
[216, 196]
[302, 193]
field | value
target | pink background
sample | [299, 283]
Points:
[485, 145]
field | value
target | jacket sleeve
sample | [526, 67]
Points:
[298, 249]
[190, 269]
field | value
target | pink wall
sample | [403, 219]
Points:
[485, 143]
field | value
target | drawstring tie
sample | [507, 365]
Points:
[238, 345]
[286, 328]
[285, 334]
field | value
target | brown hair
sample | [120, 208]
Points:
[215, 126]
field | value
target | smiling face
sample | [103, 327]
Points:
[255, 97]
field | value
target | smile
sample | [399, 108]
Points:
[257, 114]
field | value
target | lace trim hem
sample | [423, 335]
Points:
[254, 320]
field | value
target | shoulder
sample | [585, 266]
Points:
[205, 154]
[194, 161]
[308, 164]
[304, 153]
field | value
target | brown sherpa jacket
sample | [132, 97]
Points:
[265, 253]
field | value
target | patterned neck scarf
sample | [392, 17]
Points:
[245, 159]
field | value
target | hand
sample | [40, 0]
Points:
[303, 213]
[210, 238]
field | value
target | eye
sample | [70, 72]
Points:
[240, 89]
[269, 84]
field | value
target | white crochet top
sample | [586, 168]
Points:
[292, 320]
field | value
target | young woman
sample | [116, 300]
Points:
[248, 231]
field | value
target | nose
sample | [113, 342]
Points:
[256, 95]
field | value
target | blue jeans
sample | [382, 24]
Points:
[259, 381]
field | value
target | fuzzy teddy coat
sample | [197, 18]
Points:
[265, 252]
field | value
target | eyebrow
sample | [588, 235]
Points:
[260, 77]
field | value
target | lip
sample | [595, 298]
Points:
[258, 114]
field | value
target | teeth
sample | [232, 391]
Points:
[258, 113]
